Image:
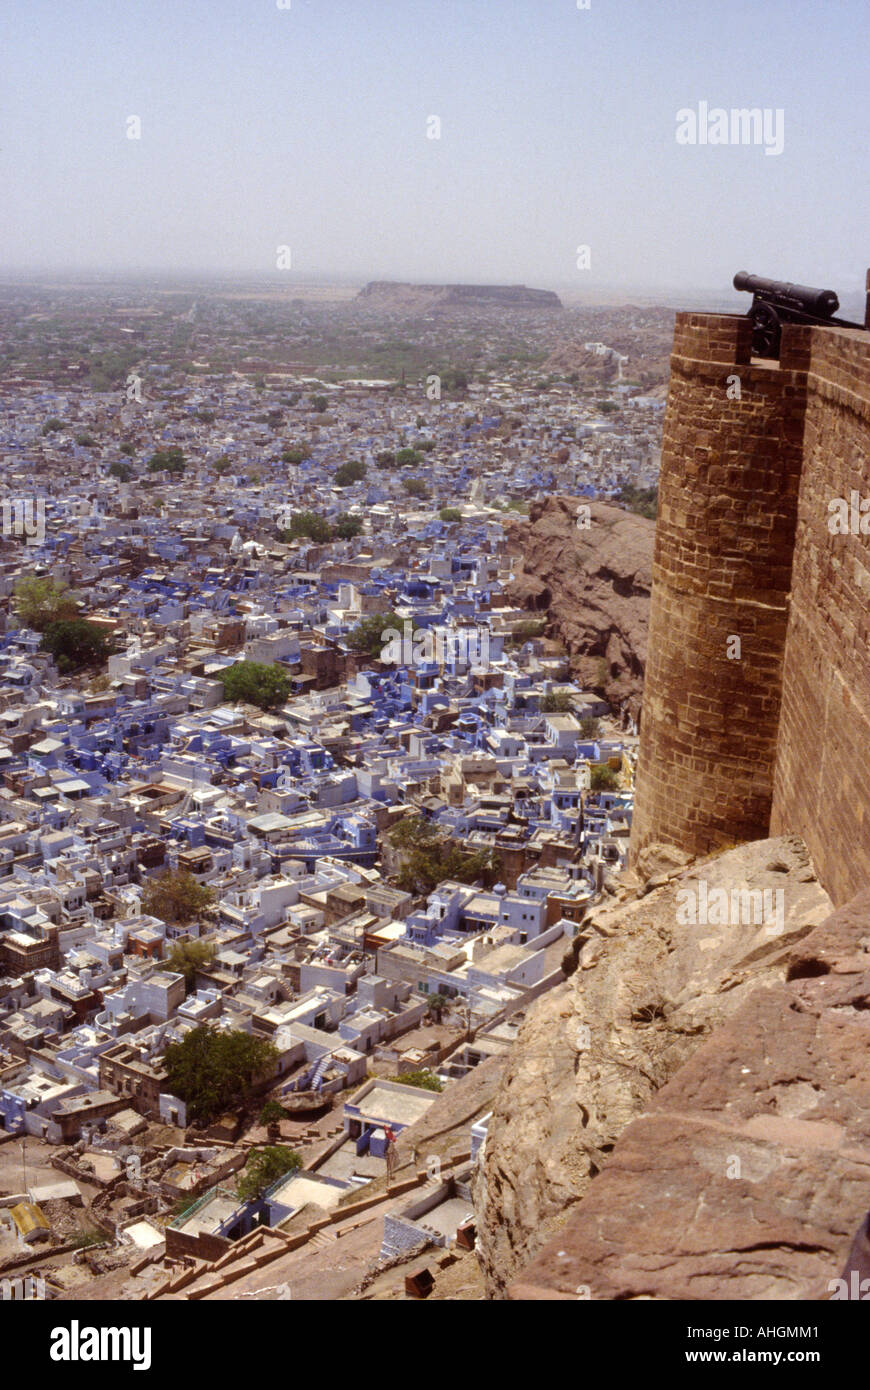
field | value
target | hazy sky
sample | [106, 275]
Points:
[307, 127]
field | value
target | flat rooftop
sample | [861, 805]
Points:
[383, 1103]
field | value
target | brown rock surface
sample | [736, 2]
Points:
[749, 1173]
[594, 585]
[593, 1052]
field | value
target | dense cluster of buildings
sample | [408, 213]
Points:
[469, 723]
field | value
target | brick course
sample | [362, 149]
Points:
[738, 749]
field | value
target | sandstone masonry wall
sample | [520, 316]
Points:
[822, 781]
[722, 569]
[775, 741]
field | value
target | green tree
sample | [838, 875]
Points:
[119, 470]
[643, 501]
[528, 628]
[127, 449]
[603, 779]
[351, 472]
[428, 857]
[187, 958]
[415, 487]
[406, 458]
[265, 1166]
[557, 702]
[307, 524]
[590, 726]
[176, 897]
[320, 403]
[52, 425]
[426, 1080]
[74, 643]
[386, 458]
[85, 440]
[169, 460]
[223, 465]
[347, 526]
[272, 1113]
[368, 635]
[437, 1004]
[212, 1070]
[255, 683]
[296, 453]
[450, 514]
[40, 601]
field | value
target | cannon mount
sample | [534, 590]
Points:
[775, 302]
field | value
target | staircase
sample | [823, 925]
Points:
[317, 1075]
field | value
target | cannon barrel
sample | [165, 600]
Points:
[822, 303]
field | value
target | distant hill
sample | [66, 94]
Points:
[390, 294]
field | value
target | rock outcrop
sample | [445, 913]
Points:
[594, 585]
[594, 1052]
[748, 1175]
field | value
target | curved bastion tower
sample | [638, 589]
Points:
[756, 704]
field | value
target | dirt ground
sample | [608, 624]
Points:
[459, 1279]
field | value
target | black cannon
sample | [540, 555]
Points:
[775, 302]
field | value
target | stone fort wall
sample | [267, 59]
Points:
[769, 732]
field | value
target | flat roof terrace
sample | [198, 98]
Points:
[403, 1104]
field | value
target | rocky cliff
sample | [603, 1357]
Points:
[594, 585]
[748, 1174]
[593, 1053]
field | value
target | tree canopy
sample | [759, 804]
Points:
[426, 1080]
[368, 635]
[40, 601]
[265, 1166]
[351, 472]
[211, 1070]
[603, 779]
[256, 684]
[428, 857]
[347, 526]
[407, 457]
[74, 643]
[308, 524]
[187, 957]
[169, 460]
[415, 487]
[557, 702]
[176, 896]
[296, 453]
